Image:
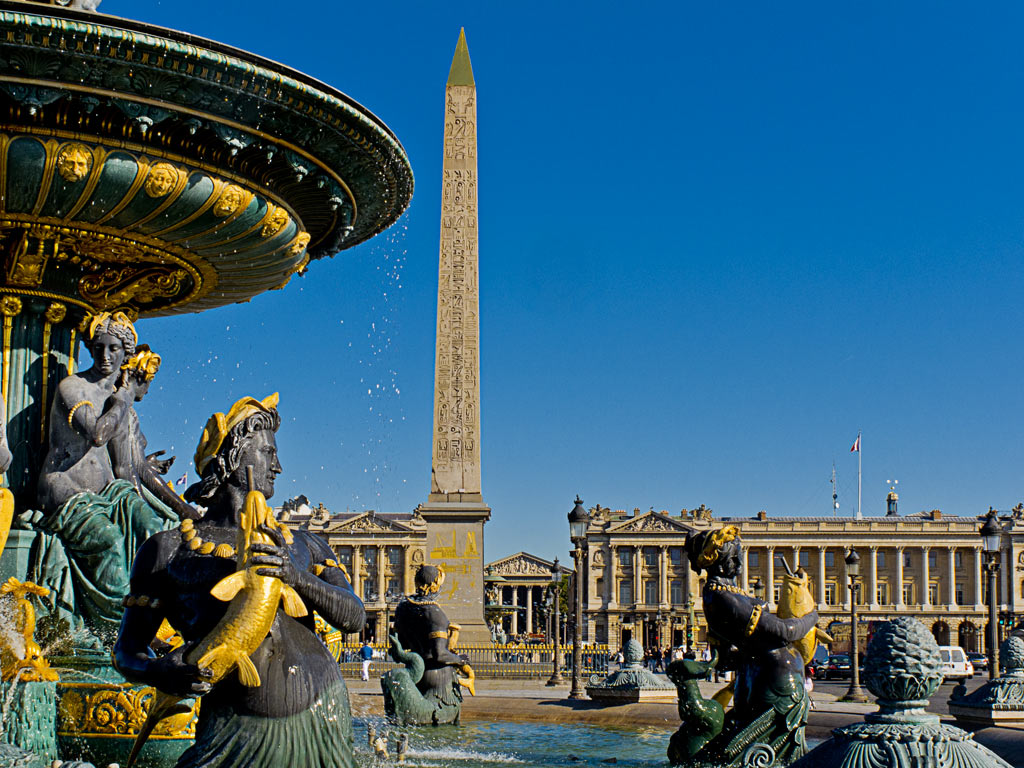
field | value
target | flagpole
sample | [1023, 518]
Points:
[860, 453]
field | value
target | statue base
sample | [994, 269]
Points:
[99, 715]
[455, 541]
[30, 717]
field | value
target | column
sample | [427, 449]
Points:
[357, 579]
[529, 610]
[821, 577]
[926, 598]
[638, 595]
[408, 577]
[382, 589]
[743, 571]
[515, 611]
[872, 596]
[663, 577]
[978, 603]
[609, 581]
[952, 578]
[899, 577]
[769, 590]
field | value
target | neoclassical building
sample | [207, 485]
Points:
[929, 565]
[522, 592]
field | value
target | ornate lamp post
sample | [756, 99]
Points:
[856, 693]
[991, 533]
[556, 594]
[578, 521]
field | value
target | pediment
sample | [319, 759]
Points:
[522, 564]
[649, 522]
[369, 523]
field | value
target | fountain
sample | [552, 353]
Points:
[144, 172]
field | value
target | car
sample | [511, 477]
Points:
[978, 660]
[836, 667]
[955, 664]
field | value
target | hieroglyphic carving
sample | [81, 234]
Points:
[456, 445]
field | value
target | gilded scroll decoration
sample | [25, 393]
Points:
[116, 288]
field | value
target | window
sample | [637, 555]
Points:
[369, 594]
[650, 557]
[882, 593]
[676, 589]
[880, 559]
[907, 563]
[650, 592]
[830, 593]
[753, 560]
[959, 592]
[933, 558]
[676, 555]
[805, 558]
[908, 592]
[626, 592]
[395, 556]
[933, 593]
[958, 561]
[345, 557]
[777, 592]
[395, 587]
[830, 559]
[625, 557]
[370, 555]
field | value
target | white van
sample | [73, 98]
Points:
[955, 664]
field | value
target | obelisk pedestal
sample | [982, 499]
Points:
[455, 512]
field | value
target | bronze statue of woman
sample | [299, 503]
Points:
[299, 714]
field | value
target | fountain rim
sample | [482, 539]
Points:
[96, 18]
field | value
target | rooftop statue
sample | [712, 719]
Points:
[100, 496]
[769, 703]
[236, 581]
[428, 689]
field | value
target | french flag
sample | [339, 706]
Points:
[182, 480]
[856, 445]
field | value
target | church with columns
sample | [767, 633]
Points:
[929, 565]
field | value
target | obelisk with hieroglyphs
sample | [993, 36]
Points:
[455, 511]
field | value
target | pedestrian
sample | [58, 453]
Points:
[809, 687]
[366, 654]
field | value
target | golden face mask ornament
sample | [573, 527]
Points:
[714, 543]
[144, 362]
[220, 424]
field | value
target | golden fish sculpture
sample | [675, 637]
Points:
[796, 601]
[254, 600]
[22, 659]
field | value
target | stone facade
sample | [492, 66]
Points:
[524, 591]
[927, 565]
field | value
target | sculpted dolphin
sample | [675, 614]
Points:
[795, 601]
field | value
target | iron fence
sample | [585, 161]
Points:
[487, 659]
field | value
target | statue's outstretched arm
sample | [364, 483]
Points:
[143, 615]
[328, 593]
[789, 630]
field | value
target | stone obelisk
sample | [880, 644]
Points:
[455, 512]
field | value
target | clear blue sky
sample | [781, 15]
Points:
[717, 240]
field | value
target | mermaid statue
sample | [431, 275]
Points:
[765, 724]
[285, 704]
[428, 689]
[100, 496]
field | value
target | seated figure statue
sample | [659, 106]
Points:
[97, 515]
[769, 702]
[298, 714]
[428, 689]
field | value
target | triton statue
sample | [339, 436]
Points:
[769, 703]
[100, 496]
[427, 691]
[241, 591]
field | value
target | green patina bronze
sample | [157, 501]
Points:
[403, 700]
[903, 670]
[29, 717]
[999, 701]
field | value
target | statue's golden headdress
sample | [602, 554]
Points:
[145, 361]
[714, 542]
[220, 424]
[106, 319]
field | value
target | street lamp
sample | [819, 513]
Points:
[556, 593]
[578, 522]
[991, 532]
[856, 693]
[758, 587]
